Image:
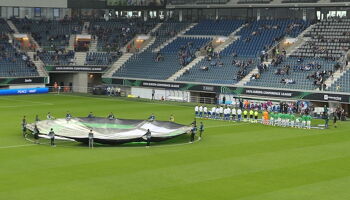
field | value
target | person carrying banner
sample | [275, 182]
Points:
[52, 137]
[148, 136]
[91, 139]
[172, 118]
[24, 124]
[49, 116]
[193, 133]
[36, 134]
[68, 116]
[201, 130]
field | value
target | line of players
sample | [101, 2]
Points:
[237, 114]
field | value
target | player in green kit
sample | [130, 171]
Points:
[298, 122]
[272, 118]
[303, 121]
[286, 120]
[292, 120]
[283, 120]
[308, 121]
[279, 119]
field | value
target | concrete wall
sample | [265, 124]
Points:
[80, 82]
[26, 86]
[159, 93]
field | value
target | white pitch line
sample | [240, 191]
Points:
[16, 146]
[18, 106]
[26, 101]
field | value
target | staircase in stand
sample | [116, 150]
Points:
[232, 38]
[40, 66]
[70, 46]
[85, 30]
[12, 26]
[155, 28]
[173, 38]
[186, 68]
[93, 45]
[301, 40]
[336, 75]
[80, 58]
[117, 64]
[246, 79]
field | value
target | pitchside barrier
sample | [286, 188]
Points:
[23, 91]
[69, 89]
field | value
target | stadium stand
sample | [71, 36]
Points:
[14, 63]
[330, 39]
[112, 35]
[240, 57]
[50, 34]
[167, 30]
[294, 73]
[226, 70]
[101, 58]
[215, 27]
[4, 27]
[342, 84]
[263, 34]
[58, 57]
[163, 64]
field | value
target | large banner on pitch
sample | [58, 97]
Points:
[110, 131]
[237, 91]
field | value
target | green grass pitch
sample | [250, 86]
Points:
[233, 161]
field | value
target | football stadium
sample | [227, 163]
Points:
[155, 99]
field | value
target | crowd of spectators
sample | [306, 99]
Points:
[112, 35]
[318, 75]
[243, 68]
[186, 54]
[9, 55]
[50, 33]
[57, 57]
